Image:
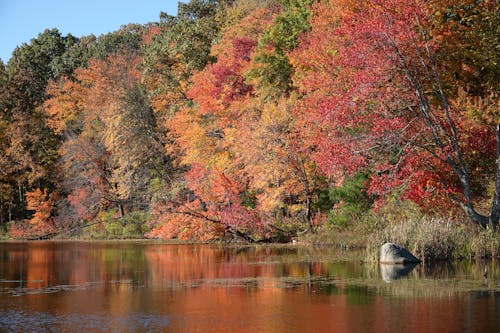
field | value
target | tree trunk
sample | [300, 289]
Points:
[121, 210]
[492, 220]
[309, 214]
[21, 199]
[495, 205]
[445, 136]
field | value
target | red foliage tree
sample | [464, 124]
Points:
[375, 97]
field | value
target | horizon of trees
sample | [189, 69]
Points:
[261, 118]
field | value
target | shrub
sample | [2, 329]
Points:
[114, 229]
[347, 203]
[134, 224]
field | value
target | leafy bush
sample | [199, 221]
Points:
[132, 225]
[114, 229]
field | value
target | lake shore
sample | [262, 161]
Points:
[429, 239]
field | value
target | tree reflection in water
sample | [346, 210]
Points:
[146, 286]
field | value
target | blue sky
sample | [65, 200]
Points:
[22, 20]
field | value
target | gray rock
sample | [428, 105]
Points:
[391, 253]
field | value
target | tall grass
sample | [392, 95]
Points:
[432, 239]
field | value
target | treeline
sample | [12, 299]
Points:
[256, 118]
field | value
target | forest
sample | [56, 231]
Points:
[260, 120]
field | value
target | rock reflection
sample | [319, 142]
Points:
[392, 272]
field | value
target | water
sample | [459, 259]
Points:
[151, 287]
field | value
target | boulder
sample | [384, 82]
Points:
[391, 253]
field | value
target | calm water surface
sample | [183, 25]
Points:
[150, 287]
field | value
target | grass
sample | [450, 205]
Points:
[428, 238]
[433, 239]
[354, 236]
[3, 234]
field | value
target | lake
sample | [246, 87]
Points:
[157, 287]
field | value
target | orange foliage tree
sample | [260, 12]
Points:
[42, 222]
[208, 131]
[107, 124]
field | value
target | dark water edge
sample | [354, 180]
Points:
[137, 286]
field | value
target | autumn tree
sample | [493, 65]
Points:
[376, 96]
[283, 179]
[180, 46]
[467, 33]
[247, 170]
[174, 49]
[126, 40]
[241, 117]
[272, 73]
[31, 147]
[112, 149]
[42, 222]
[6, 183]
[207, 132]
[286, 180]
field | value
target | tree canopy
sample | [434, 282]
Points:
[261, 119]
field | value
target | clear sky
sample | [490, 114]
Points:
[22, 20]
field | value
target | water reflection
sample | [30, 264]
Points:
[135, 287]
[52, 266]
[391, 272]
